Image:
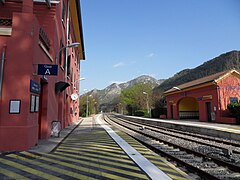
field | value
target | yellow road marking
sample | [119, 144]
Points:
[123, 158]
[28, 169]
[12, 174]
[133, 166]
[91, 164]
[52, 168]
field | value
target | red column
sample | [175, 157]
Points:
[27, 6]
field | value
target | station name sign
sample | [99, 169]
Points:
[35, 87]
[48, 69]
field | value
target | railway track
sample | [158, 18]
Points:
[203, 155]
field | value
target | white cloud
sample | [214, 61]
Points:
[150, 55]
[120, 64]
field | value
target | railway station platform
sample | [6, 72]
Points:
[91, 150]
[228, 131]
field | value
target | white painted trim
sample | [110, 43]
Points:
[44, 1]
[5, 31]
[150, 169]
[45, 50]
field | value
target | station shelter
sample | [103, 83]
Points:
[41, 45]
[205, 99]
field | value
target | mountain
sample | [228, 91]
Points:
[109, 96]
[226, 61]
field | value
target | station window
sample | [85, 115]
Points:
[68, 65]
[233, 100]
[63, 12]
[60, 53]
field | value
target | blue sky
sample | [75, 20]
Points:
[128, 38]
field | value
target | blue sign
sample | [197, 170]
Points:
[48, 69]
[35, 87]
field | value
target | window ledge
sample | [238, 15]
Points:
[5, 31]
[45, 50]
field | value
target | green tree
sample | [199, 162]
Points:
[134, 99]
[83, 106]
[93, 104]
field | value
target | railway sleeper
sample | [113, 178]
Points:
[186, 156]
[178, 153]
[217, 170]
[206, 165]
[232, 176]
[192, 161]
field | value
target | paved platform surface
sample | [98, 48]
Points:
[88, 152]
[228, 131]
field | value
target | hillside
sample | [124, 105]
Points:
[227, 61]
[109, 96]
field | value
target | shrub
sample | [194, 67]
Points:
[140, 113]
[234, 109]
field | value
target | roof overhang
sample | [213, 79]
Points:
[170, 91]
[60, 86]
[211, 80]
[77, 25]
[232, 72]
[48, 2]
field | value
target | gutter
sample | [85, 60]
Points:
[2, 69]
[80, 27]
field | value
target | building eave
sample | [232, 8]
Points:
[210, 83]
[77, 25]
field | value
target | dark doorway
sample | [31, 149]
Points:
[208, 108]
[171, 109]
[42, 116]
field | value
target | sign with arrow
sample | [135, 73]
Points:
[48, 69]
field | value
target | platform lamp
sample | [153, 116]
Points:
[63, 83]
[72, 45]
[78, 80]
[148, 109]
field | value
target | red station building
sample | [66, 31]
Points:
[41, 45]
[205, 99]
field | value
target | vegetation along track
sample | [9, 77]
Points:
[208, 158]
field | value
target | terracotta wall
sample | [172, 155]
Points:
[23, 53]
[201, 95]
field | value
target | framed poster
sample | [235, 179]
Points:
[14, 106]
[32, 103]
[36, 103]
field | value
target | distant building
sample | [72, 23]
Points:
[32, 96]
[205, 99]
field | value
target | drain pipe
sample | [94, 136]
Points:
[1, 70]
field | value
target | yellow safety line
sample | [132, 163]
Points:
[52, 168]
[12, 174]
[92, 164]
[28, 169]
[93, 148]
[124, 157]
[133, 166]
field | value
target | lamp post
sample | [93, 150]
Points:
[72, 45]
[148, 109]
[75, 84]
[87, 111]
